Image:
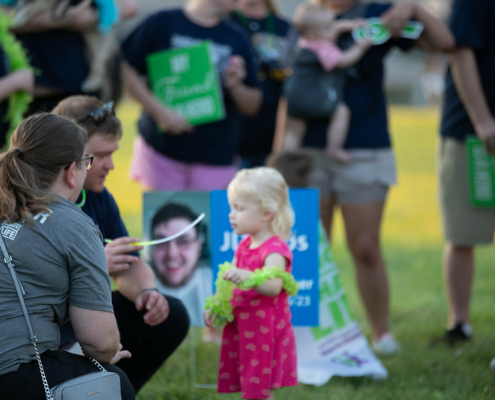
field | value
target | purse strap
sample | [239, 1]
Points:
[7, 258]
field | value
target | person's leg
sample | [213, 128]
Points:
[459, 271]
[362, 223]
[464, 228]
[59, 366]
[327, 206]
[149, 346]
[294, 133]
[337, 134]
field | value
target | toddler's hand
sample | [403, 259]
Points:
[209, 318]
[236, 275]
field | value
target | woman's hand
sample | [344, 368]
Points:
[396, 17]
[209, 318]
[236, 275]
[170, 121]
[235, 72]
[120, 355]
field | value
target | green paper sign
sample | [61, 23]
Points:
[375, 31]
[481, 174]
[186, 81]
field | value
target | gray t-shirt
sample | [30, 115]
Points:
[60, 261]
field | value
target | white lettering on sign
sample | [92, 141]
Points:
[231, 241]
[179, 63]
[300, 301]
[305, 284]
[197, 108]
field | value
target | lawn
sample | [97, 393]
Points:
[412, 245]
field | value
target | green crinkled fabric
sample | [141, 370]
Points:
[220, 304]
[16, 54]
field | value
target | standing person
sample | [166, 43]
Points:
[468, 109]
[61, 265]
[186, 158]
[258, 353]
[151, 326]
[273, 39]
[56, 49]
[361, 188]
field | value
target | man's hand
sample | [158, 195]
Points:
[486, 133]
[156, 304]
[120, 355]
[236, 275]
[117, 252]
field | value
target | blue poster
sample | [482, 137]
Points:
[303, 244]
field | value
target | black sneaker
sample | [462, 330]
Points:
[459, 333]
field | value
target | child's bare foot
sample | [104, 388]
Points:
[339, 155]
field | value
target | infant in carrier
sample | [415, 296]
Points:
[315, 88]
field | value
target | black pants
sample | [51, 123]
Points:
[59, 366]
[150, 346]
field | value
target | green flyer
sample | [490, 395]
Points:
[375, 31]
[186, 81]
[481, 174]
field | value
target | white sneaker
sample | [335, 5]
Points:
[386, 345]
[492, 365]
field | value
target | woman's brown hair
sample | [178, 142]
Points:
[41, 147]
[79, 107]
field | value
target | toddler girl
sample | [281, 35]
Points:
[258, 351]
[314, 91]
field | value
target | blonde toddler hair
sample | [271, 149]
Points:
[311, 17]
[266, 187]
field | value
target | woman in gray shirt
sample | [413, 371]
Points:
[59, 258]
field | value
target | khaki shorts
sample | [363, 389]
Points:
[366, 180]
[463, 224]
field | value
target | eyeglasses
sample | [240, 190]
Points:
[88, 161]
[100, 115]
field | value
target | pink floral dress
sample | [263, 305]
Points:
[258, 348]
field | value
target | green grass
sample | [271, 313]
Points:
[412, 245]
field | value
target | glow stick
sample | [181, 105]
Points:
[169, 238]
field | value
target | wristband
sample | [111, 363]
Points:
[220, 303]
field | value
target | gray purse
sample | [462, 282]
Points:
[95, 385]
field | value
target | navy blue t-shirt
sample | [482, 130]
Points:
[364, 96]
[473, 25]
[60, 58]
[103, 210]
[273, 39]
[214, 143]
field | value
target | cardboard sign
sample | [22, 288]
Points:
[303, 244]
[375, 31]
[481, 174]
[186, 81]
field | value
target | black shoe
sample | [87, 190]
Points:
[456, 335]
